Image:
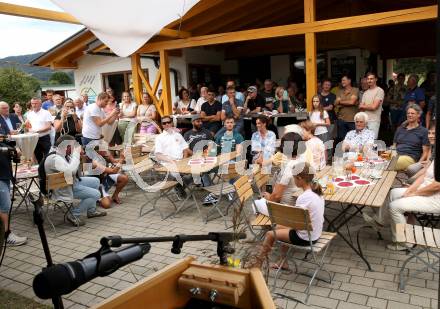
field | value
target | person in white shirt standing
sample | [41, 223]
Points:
[95, 119]
[40, 121]
[203, 98]
[371, 103]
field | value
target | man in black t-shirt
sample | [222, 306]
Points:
[327, 100]
[211, 113]
[196, 134]
[254, 101]
[268, 94]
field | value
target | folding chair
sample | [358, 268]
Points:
[56, 181]
[261, 223]
[260, 181]
[162, 188]
[425, 239]
[299, 219]
[223, 187]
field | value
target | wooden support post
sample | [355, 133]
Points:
[137, 82]
[166, 83]
[310, 59]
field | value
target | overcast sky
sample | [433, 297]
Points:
[21, 36]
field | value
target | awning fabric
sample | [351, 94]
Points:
[124, 26]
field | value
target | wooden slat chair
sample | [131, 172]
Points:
[425, 239]
[56, 181]
[258, 224]
[223, 187]
[163, 189]
[260, 180]
[299, 219]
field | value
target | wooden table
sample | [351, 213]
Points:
[352, 201]
[182, 167]
[189, 117]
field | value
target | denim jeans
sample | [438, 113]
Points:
[86, 190]
[5, 196]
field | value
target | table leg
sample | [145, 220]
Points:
[25, 195]
[345, 221]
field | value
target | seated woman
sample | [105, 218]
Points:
[146, 114]
[358, 138]
[284, 185]
[411, 139]
[263, 141]
[67, 122]
[315, 149]
[414, 170]
[312, 200]
[127, 118]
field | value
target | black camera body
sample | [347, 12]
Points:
[8, 147]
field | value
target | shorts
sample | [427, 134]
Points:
[295, 240]
[5, 196]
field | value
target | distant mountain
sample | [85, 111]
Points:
[22, 63]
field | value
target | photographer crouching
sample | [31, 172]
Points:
[8, 154]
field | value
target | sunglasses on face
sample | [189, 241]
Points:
[166, 122]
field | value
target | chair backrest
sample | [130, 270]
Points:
[243, 188]
[234, 170]
[56, 181]
[294, 217]
[136, 151]
[260, 180]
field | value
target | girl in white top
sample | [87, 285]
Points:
[320, 119]
[185, 105]
[315, 149]
[146, 113]
[127, 115]
[312, 200]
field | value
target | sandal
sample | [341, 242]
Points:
[116, 200]
[285, 270]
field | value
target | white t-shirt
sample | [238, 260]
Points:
[170, 144]
[369, 96]
[315, 117]
[315, 204]
[90, 129]
[186, 106]
[39, 120]
[315, 153]
[126, 109]
[429, 178]
[285, 177]
[198, 106]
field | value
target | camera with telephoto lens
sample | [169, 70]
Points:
[8, 147]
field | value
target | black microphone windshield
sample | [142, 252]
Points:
[54, 280]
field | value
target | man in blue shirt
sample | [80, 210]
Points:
[230, 140]
[238, 95]
[414, 94]
[49, 102]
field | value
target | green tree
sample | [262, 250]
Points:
[16, 85]
[60, 78]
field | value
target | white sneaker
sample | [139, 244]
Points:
[14, 240]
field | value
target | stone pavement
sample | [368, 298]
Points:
[352, 287]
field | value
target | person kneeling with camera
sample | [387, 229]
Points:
[7, 153]
[66, 158]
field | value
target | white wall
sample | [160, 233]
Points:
[280, 68]
[88, 76]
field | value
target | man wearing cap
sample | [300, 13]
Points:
[197, 133]
[254, 102]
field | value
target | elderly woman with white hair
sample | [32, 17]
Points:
[359, 137]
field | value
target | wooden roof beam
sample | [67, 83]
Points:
[237, 18]
[351, 22]
[31, 12]
[197, 9]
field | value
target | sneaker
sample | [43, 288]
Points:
[96, 213]
[14, 240]
[75, 221]
[210, 199]
[397, 246]
[372, 222]
[231, 196]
